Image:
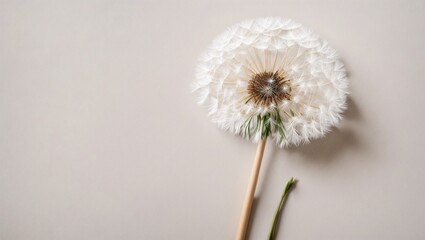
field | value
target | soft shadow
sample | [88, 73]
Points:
[353, 112]
[329, 147]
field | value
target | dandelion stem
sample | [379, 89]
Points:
[273, 230]
[249, 198]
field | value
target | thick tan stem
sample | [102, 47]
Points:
[246, 210]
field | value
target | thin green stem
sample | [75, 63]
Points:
[288, 188]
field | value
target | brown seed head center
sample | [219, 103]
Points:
[268, 87]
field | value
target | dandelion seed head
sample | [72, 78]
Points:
[269, 67]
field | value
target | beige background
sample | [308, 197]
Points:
[102, 139]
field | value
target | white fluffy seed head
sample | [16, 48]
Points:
[315, 79]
